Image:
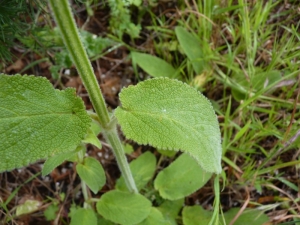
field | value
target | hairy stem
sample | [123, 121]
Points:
[66, 23]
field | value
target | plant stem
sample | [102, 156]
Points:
[113, 139]
[70, 35]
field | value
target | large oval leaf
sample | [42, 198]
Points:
[169, 114]
[37, 121]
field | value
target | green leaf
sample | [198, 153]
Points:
[196, 215]
[169, 114]
[128, 149]
[37, 121]
[51, 212]
[27, 207]
[54, 161]
[123, 207]
[259, 81]
[192, 47]
[179, 180]
[255, 216]
[91, 138]
[92, 173]
[171, 209]
[167, 152]
[102, 221]
[142, 170]
[155, 217]
[84, 217]
[153, 65]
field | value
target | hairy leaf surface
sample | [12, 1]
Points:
[169, 114]
[37, 121]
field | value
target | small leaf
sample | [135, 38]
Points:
[37, 121]
[27, 207]
[255, 216]
[169, 114]
[123, 207]
[54, 161]
[128, 149]
[196, 215]
[142, 169]
[260, 81]
[95, 127]
[92, 173]
[171, 209]
[91, 138]
[168, 153]
[155, 218]
[181, 178]
[153, 65]
[51, 212]
[192, 47]
[84, 217]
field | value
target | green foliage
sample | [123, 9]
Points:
[169, 181]
[142, 169]
[91, 136]
[255, 216]
[173, 121]
[155, 217]
[147, 62]
[171, 209]
[32, 114]
[13, 24]
[196, 215]
[92, 173]
[192, 48]
[120, 22]
[168, 153]
[83, 216]
[261, 81]
[56, 160]
[124, 208]
[51, 212]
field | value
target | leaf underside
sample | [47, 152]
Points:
[37, 121]
[169, 114]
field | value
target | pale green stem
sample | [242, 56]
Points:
[113, 139]
[70, 35]
[85, 194]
